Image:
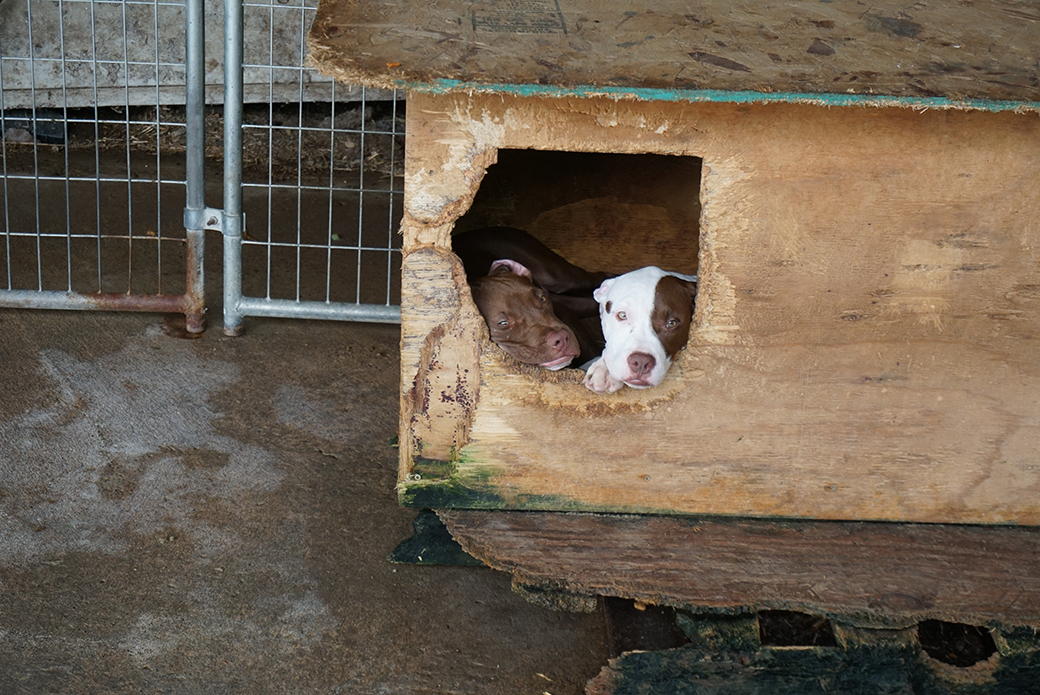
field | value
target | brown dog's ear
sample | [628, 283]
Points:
[508, 265]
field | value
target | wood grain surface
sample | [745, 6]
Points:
[868, 574]
[951, 51]
[866, 339]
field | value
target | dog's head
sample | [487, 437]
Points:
[646, 317]
[520, 317]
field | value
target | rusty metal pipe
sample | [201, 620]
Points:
[107, 301]
[195, 177]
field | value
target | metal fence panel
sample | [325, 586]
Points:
[321, 190]
[98, 156]
[91, 206]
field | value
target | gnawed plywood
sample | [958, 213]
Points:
[945, 53]
[866, 333]
[439, 403]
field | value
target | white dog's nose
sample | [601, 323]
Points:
[641, 364]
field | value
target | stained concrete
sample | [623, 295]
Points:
[215, 515]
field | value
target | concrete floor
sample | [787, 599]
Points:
[215, 515]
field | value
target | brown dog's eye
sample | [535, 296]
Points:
[672, 323]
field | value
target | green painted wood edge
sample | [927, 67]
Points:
[476, 492]
[468, 481]
[431, 469]
[445, 86]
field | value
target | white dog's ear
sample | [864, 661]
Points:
[600, 294]
[512, 266]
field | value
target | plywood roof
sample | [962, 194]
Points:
[983, 53]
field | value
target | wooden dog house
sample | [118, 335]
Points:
[858, 187]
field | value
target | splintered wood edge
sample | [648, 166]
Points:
[332, 62]
[447, 366]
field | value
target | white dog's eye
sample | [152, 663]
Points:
[622, 316]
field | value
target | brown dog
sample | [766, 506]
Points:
[521, 320]
[533, 301]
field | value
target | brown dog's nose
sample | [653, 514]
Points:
[641, 363]
[558, 340]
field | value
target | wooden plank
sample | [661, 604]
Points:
[866, 332]
[925, 54]
[870, 574]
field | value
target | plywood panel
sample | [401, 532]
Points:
[866, 334]
[952, 51]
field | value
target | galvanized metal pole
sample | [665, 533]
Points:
[237, 306]
[232, 222]
[195, 178]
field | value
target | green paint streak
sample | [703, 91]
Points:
[717, 96]
[447, 494]
[475, 488]
[468, 481]
[432, 468]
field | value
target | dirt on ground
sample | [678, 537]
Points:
[215, 515]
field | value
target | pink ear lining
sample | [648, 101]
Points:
[600, 292]
[514, 267]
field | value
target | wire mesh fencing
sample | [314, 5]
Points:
[321, 185]
[91, 200]
[322, 200]
[95, 157]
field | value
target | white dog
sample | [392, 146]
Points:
[646, 317]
